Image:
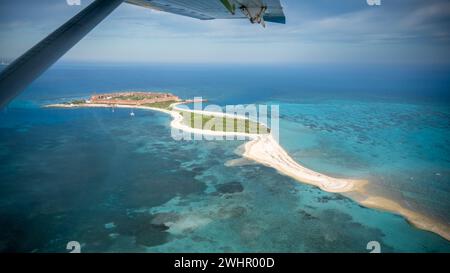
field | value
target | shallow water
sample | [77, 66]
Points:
[402, 149]
[119, 183]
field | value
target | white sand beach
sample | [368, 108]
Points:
[266, 150]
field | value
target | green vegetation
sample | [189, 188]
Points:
[75, 102]
[132, 97]
[162, 105]
[209, 122]
[78, 101]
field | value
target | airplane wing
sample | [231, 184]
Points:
[25, 69]
[269, 10]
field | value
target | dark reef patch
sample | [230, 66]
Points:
[306, 215]
[326, 198]
[146, 231]
[229, 188]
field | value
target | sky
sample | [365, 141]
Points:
[316, 31]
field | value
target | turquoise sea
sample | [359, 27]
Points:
[117, 183]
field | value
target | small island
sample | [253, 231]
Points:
[167, 102]
[151, 99]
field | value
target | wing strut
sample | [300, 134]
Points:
[25, 69]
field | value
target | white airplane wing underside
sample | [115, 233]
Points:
[257, 11]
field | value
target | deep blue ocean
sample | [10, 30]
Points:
[117, 183]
